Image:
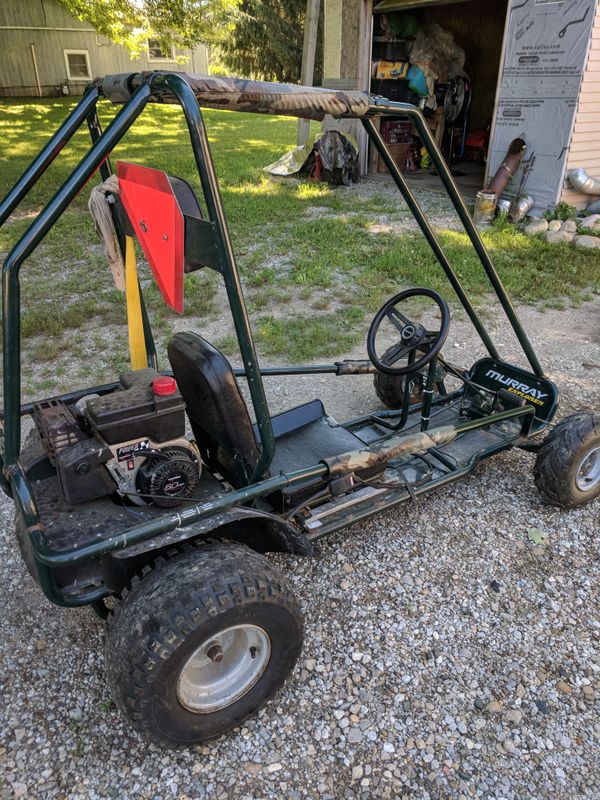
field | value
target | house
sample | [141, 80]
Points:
[531, 69]
[46, 52]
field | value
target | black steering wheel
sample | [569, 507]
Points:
[413, 336]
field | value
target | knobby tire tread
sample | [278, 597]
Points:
[243, 577]
[557, 454]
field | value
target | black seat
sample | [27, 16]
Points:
[224, 432]
[215, 407]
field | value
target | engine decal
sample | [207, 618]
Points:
[127, 451]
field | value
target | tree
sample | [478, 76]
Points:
[178, 23]
[266, 41]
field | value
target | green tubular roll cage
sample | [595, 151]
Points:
[134, 92]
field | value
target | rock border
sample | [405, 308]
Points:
[570, 231]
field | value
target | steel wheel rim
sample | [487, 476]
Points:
[224, 668]
[588, 472]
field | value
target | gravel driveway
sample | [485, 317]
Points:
[446, 655]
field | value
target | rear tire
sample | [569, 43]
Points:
[567, 467]
[201, 643]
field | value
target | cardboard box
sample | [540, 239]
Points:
[399, 153]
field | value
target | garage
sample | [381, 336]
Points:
[457, 48]
[485, 74]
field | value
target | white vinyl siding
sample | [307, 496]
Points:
[585, 144]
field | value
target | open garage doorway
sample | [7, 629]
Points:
[446, 58]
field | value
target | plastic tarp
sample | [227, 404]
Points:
[338, 153]
[292, 162]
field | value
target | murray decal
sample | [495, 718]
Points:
[516, 387]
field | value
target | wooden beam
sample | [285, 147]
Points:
[309, 52]
[365, 51]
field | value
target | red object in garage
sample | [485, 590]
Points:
[476, 145]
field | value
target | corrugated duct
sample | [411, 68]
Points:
[580, 180]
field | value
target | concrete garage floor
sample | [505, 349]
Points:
[446, 655]
[468, 175]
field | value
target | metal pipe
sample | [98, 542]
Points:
[24, 500]
[584, 183]
[35, 69]
[4, 484]
[11, 322]
[368, 510]
[412, 357]
[68, 397]
[484, 422]
[42, 161]
[210, 185]
[403, 445]
[391, 108]
[522, 207]
[429, 234]
[239, 372]
[428, 395]
[383, 415]
[360, 513]
[309, 369]
[95, 129]
[26, 507]
[512, 162]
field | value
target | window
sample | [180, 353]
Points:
[78, 65]
[158, 53]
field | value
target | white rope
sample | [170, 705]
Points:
[99, 209]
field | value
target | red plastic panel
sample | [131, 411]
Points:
[158, 224]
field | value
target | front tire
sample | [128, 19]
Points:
[567, 467]
[201, 643]
[390, 388]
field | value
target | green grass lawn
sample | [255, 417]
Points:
[312, 268]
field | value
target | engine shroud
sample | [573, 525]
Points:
[169, 478]
[146, 471]
[130, 442]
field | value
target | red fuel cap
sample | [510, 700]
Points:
[164, 385]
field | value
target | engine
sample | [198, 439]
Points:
[131, 441]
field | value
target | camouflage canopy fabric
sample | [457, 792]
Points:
[261, 97]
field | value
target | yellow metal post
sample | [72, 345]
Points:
[135, 324]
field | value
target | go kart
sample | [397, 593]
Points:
[154, 498]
